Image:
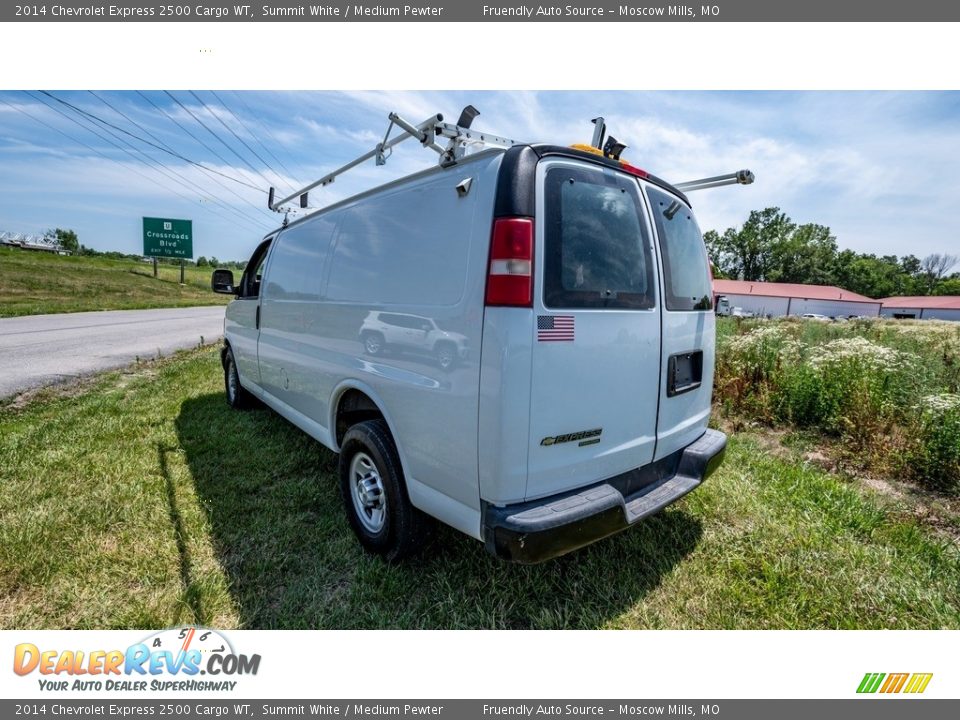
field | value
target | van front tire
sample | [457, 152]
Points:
[237, 397]
[375, 494]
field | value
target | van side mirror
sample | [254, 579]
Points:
[222, 282]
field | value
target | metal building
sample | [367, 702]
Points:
[780, 299]
[942, 307]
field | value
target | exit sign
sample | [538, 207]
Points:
[165, 237]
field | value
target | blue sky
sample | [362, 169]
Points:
[879, 168]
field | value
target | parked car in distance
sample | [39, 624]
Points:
[740, 313]
[552, 317]
[815, 316]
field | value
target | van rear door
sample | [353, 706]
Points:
[595, 379]
[686, 382]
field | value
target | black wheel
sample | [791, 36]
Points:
[373, 343]
[375, 495]
[237, 397]
[446, 355]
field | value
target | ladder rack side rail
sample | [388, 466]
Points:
[693, 186]
[331, 176]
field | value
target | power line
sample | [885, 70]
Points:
[300, 169]
[222, 141]
[110, 142]
[98, 152]
[212, 177]
[158, 147]
[204, 126]
[256, 137]
[244, 142]
[167, 171]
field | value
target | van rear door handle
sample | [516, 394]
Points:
[258, 318]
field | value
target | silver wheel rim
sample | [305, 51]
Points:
[373, 345]
[446, 357]
[367, 492]
[231, 381]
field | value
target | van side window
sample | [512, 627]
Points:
[686, 275]
[253, 274]
[298, 261]
[597, 252]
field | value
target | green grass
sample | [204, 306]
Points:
[33, 283]
[143, 501]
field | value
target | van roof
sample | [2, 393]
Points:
[515, 192]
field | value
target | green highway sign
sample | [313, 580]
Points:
[164, 237]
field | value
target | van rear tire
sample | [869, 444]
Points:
[375, 494]
[237, 397]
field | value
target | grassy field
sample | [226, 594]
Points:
[233, 520]
[883, 395]
[33, 283]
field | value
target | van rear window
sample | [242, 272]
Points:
[686, 274]
[597, 253]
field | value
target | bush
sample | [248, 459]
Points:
[935, 456]
[858, 382]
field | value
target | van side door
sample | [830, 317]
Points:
[242, 324]
[291, 357]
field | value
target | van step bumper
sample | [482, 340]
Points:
[542, 529]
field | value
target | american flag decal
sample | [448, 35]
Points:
[555, 328]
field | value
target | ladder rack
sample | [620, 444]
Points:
[459, 137]
[741, 177]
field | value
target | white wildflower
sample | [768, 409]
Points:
[942, 402]
[860, 350]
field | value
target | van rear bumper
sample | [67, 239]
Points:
[542, 529]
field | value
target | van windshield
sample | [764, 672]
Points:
[685, 269]
[597, 254]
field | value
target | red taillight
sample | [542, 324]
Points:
[633, 169]
[510, 275]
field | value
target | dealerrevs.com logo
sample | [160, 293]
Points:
[180, 659]
[892, 683]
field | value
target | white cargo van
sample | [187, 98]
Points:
[518, 343]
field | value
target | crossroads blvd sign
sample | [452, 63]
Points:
[164, 237]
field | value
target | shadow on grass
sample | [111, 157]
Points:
[270, 494]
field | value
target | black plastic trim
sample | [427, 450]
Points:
[542, 529]
[516, 183]
[559, 150]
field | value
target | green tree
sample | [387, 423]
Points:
[202, 261]
[934, 267]
[948, 286]
[67, 239]
[748, 253]
[807, 255]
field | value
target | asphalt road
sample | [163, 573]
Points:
[40, 350]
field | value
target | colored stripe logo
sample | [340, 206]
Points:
[913, 683]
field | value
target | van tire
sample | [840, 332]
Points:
[237, 397]
[387, 525]
[374, 343]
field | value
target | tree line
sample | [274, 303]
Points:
[770, 247]
[69, 241]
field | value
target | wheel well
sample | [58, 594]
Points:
[354, 407]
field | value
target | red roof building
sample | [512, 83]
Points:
[778, 299]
